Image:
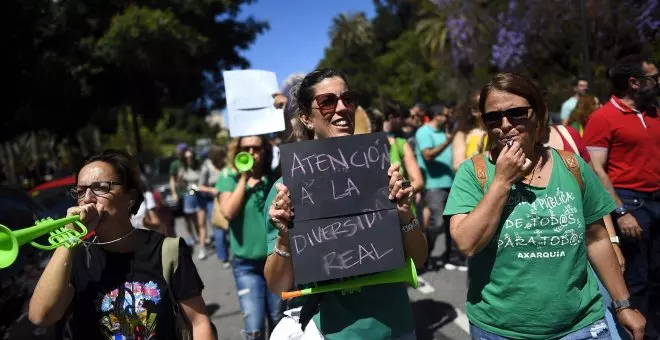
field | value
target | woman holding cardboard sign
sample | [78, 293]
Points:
[325, 109]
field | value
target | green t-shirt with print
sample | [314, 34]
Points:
[247, 232]
[373, 313]
[532, 281]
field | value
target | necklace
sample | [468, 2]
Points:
[87, 245]
[109, 242]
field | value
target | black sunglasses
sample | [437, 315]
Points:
[247, 148]
[98, 188]
[515, 115]
[327, 102]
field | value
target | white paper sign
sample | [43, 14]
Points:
[250, 109]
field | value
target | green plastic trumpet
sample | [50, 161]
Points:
[243, 161]
[11, 241]
[407, 274]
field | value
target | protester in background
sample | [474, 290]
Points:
[242, 197]
[529, 274]
[580, 88]
[326, 109]
[578, 119]
[147, 216]
[400, 151]
[178, 189]
[470, 138]
[114, 280]
[207, 191]
[623, 139]
[189, 174]
[434, 157]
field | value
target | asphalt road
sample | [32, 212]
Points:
[438, 306]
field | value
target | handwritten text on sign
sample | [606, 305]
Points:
[336, 176]
[344, 223]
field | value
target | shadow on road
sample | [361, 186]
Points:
[430, 316]
[212, 308]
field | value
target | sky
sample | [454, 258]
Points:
[298, 32]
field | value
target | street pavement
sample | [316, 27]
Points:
[438, 305]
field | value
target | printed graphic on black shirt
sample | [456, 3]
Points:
[135, 318]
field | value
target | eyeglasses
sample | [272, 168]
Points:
[98, 188]
[327, 102]
[250, 148]
[516, 116]
[654, 78]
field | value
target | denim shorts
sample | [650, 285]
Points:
[190, 204]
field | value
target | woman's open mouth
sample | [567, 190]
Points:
[341, 123]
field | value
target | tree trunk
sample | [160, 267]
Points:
[136, 134]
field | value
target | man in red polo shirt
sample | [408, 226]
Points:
[623, 139]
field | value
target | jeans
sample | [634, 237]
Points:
[435, 200]
[597, 330]
[615, 329]
[642, 273]
[190, 204]
[257, 303]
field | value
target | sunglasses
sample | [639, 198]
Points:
[516, 116]
[327, 102]
[98, 188]
[249, 148]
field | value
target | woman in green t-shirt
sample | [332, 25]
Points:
[530, 221]
[242, 198]
[325, 108]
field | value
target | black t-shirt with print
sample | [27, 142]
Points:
[147, 311]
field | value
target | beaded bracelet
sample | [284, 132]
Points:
[281, 252]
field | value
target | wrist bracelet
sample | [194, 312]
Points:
[281, 252]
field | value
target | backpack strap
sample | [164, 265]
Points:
[480, 169]
[170, 260]
[573, 165]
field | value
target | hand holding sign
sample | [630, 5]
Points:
[281, 210]
[402, 192]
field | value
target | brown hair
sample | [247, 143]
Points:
[126, 167]
[265, 145]
[525, 87]
[303, 95]
[585, 106]
[217, 155]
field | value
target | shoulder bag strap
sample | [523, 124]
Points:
[573, 165]
[170, 260]
[480, 169]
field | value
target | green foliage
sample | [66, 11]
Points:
[73, 63]
[442, 50]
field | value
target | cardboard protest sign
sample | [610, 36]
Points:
[344, 223]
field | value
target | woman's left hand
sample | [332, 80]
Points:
[633, 322]
[401, 192]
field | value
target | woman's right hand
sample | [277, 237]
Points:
[90, 214]
[281, 210]
[511, 164]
